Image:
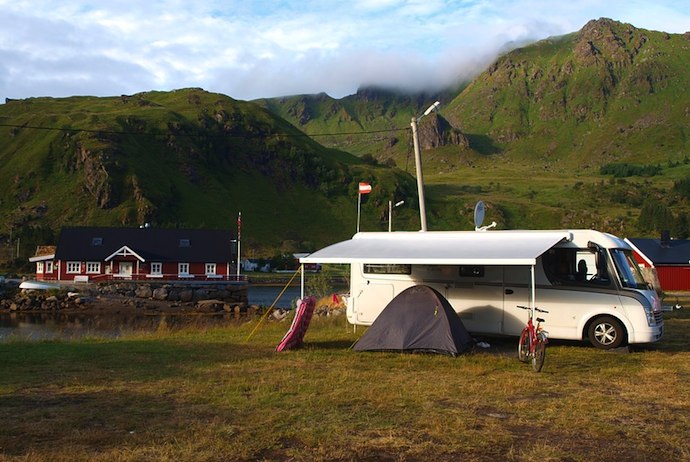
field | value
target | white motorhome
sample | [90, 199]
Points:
[588, 281]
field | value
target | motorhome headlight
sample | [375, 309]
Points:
[649, 312]
[650, 319]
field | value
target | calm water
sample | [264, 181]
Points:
[55, 325]
[266, 296]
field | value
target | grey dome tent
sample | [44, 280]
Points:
[418, 319]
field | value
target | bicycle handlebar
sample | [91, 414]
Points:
[528, 308]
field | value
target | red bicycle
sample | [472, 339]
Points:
[533, 340]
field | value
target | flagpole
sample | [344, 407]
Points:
[359, 203]
[239, 233]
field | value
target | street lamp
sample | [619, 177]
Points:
[390, 213]
[418, 164]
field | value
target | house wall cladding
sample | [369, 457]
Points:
[178, 292]
[674, 277]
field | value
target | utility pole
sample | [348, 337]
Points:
[418, 165]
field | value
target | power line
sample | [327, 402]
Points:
[192, 135]
[368, 132]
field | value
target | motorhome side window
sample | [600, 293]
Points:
[471, 271]
[576, 267]
[377, 268]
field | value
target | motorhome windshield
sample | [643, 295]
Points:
[628, 271]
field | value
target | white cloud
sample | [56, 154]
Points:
[255, 48]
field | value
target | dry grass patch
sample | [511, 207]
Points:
[210, 395]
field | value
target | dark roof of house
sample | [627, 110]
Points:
[670, 252]
[152, 244]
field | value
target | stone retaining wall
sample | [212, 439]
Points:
[178, 291]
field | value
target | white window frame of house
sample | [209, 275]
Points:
[73, 267]
[211, 271]
[49, 266]
[39, 267]
[93, 267]
[183, 270]
[156, 270]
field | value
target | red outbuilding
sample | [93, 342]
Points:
[669, 257]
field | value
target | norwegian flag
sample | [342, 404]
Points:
[364, 188]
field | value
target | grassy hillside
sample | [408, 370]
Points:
[186, 158]
[557, 131]
[608, 93]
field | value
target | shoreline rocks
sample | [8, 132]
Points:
[163, 296]
[150, 297]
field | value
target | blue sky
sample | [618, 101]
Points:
[251, 49]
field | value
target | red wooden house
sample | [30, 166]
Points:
[100, 253]
[670, 258]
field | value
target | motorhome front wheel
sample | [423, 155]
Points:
[606, 332]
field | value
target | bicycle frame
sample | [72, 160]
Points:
[533, 340]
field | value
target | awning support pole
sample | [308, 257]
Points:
[301, 282]
[532, 289]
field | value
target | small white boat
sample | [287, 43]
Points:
[38, 285]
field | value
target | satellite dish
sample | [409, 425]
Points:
[479, 211]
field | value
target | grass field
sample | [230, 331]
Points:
[211, 394]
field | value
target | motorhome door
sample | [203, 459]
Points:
[477, 297]
[369, 299]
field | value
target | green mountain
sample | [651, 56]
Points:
[374, 123]
[185, 158]
[585, 99]
[589, 129]
[585, 130]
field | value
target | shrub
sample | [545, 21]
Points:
[626, 170]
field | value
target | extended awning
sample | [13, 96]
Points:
[442, 248]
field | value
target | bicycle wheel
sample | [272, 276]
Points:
[523, 346]
[539, 355]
